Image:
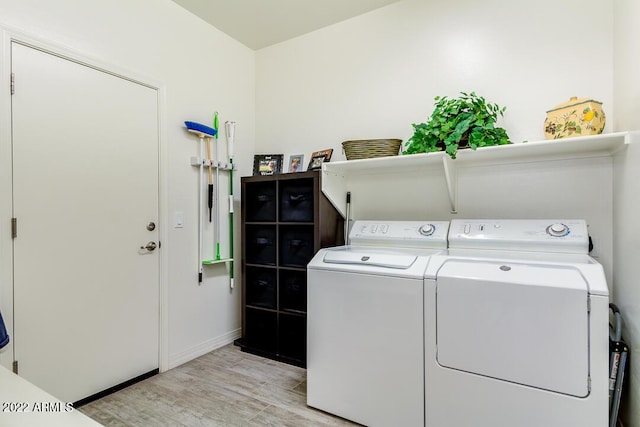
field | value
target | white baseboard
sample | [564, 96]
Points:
[203, 348]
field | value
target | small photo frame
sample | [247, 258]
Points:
[267, 164]
[296, 163]
[316, 162]
[327, 153]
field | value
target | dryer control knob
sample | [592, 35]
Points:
[557, 230]
[427, 229]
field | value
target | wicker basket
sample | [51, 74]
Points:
[369, 148]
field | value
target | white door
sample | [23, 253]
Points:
[85, 183]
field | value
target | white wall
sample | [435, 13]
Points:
[374, 75]
[200, 70]
[627, 184]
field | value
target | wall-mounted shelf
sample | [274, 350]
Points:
[336, 175]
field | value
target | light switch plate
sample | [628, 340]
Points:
[178, 220]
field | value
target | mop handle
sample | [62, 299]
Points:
[230, 127]
[346, 221]
[217, 227]
[200, 206]
[210, 160]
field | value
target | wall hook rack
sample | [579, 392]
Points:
[206, 135]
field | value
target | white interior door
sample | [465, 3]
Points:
[85, 170]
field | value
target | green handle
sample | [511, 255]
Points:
[215, 123]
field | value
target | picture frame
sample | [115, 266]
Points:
[267, 164]
[327, 153]
[296, 163]
[316, 162]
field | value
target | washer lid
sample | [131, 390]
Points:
[526, 324]
[369, 258]
[391, 262]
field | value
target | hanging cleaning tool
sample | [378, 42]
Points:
[347, 218]
[210, 187]
[618, 356]
[201, 130]
[204, 133]
[230, 128]
[217, 226]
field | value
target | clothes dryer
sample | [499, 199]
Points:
[516, 327]
[365, 330]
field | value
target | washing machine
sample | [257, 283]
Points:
[516, 327]
[365, 328]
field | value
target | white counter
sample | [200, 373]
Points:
[24, 404]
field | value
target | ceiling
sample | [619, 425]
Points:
[262, 23]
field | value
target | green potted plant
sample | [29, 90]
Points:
[466, 121]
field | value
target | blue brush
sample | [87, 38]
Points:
[200, 129]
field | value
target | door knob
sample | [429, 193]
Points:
[151, 246]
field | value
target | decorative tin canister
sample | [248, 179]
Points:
[577, 117]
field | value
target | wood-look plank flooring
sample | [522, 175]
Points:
[226, 387]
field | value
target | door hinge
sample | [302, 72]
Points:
[13, 83]
[14, 228]
[589, 304]
[15, 367]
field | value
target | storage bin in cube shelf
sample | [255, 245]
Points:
[261, 244]
[293, 291]
[261, 286]
[261, 202]
[296, 245]
[296, 200]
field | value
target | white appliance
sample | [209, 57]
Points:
[365, 334]
[516, 324]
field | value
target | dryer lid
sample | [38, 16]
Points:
[526, 324]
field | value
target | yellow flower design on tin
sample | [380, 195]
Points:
[588, 114]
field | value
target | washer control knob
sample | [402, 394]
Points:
[557, 230]
[427, 229]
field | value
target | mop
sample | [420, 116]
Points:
[217, 226]
[204, 133]
[230, 128]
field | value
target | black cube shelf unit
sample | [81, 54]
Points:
[285, 220]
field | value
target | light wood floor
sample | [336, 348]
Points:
[223, 388]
